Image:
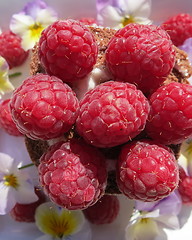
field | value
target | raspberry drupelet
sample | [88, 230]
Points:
[68, 50]
[11, 50]
[142, 55]
[111, 114]
[170, 118]
[73, 174]
[147, 171]
[6, 121]
[44, 107]
[179, 28]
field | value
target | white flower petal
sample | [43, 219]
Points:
[7, 196]
[142, 20]
[169, 221]
[138, 8]
[20, 23]
[28, 41]
[84, 234]
[18, 150]
[44, 237]
[146, 229]
[25, 193]
[46, 17]
[110, 17]
[6, 163]
[153, 214]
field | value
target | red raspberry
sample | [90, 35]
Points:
[26, 212]
[147, 171]
[11, 50]
[141, 54]
[68, 50]
[185, 190]
[104, 211]
[73, 174]
[6, 121]
[44, 107]
[170, 119]
[111, 114]
[88, 21]
[179, 28]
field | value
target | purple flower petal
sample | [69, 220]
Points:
[102, 3]
[170, 205]
[187, 47]
[145, 206]
[33, 7]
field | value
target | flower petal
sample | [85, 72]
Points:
[169, 221]
[110, 17]
[20, 23]
[29, 40]
[25, 193]
[44, 237]
[5, 84]
[7, 196]
[144, 229]
[46, 17]
[170, 205]
[139, 8]
[6, 163]
[17, 150]
[32, 8]
[49, 216]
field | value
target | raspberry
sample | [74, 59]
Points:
[185, 190]
[104, 211]
[88, 21]
[68, 50]
[170, 119]
[11, 50]
[6, 121]
[147, 171]
[44, 107]
[73, 174]
[111, 114]
[26, 212]
[179, 28]
[142, 55]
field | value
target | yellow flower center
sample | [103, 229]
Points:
[36, 30]
[10, 181]
[127, 20]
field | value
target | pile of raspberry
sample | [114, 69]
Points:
[133, 113]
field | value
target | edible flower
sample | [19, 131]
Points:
[5, 84]
[118, 13]
[185, 158]
[31, 21]
[149, 219]
[15, 184]
[59, 223]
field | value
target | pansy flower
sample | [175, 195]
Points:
[58, 223]
[5, 84]
[149, 219]
[15, 184]
[119, 13]
[185, 158]
[30, 22]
